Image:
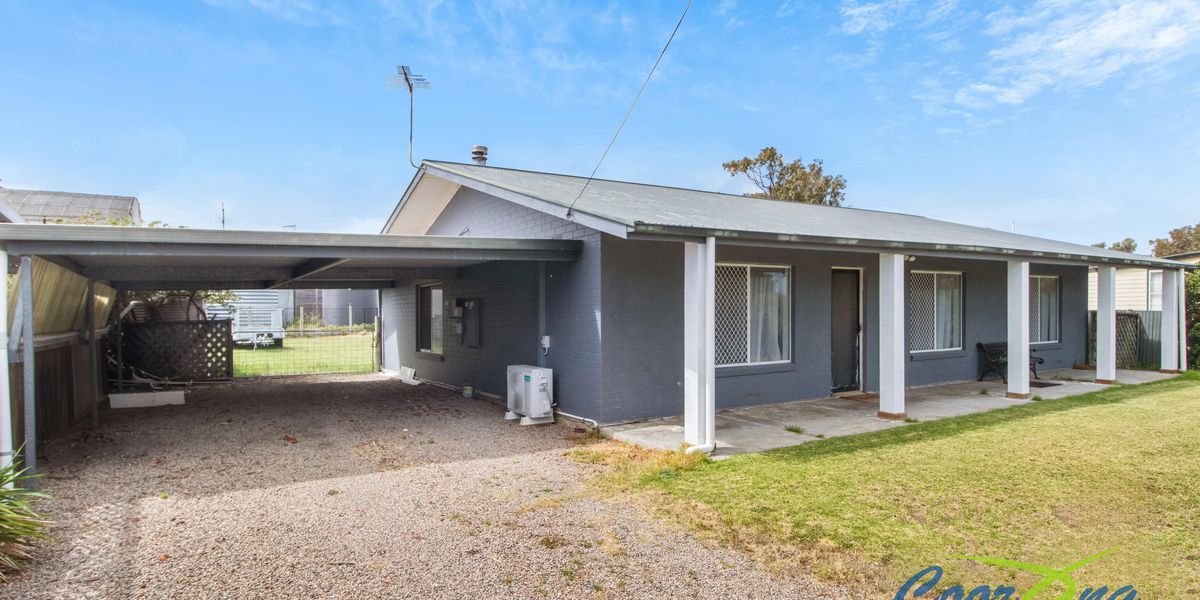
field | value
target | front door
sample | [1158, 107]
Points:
[846, 329]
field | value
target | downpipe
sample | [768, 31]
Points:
[706, 448]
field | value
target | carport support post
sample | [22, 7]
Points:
[1018, 329]
[892, 353]
[6, 428]
[1106, 325]
[699, 366]
[89, 337]
[27, 367]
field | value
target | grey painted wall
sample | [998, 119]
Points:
[616, 323]
[508, 326]
[644, 295]
[572, 300]
[642, 313]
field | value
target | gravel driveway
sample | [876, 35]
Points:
[332, 487]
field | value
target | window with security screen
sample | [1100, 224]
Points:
[1043, 309]
[934, 311]
[753, 314]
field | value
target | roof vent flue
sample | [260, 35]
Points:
[479, 154]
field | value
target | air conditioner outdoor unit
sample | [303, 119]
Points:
[530, 394]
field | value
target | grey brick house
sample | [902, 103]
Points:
[686, 301]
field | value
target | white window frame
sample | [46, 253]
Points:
[790, 302]
[1057, 334]
[1150, 276]
[961, 317]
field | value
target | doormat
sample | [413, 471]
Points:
[1042, 384]
[862, 396]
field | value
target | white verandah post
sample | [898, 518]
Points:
[892, 355]
[1106, 325]
[1018, 329]
[1170, 322]
[699, 360]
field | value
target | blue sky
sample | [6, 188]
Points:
[1074, 120]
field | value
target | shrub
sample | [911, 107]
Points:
[20, 525]
[1192, 309]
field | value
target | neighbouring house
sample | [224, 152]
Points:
[1138, 289]
[38, 206]
[337, 307]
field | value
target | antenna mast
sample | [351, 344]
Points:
[404, 76]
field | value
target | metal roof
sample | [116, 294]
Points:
[651, 210]
[38, 206]
[180, 259]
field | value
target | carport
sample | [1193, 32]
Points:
[127, 258]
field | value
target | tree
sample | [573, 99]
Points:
[792, 181]
[1178, 241]
[1191, 304]
[1125, 245]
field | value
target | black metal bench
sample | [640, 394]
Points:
[994, 358]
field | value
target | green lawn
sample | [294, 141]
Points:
[1048, 483]
[349, 353]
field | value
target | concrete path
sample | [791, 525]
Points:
[763, 427]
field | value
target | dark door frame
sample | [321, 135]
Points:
[860, 338]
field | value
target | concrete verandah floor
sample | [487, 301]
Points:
[758, 428]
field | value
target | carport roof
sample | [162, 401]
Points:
[180, 259]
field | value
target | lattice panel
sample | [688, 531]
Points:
[731, 335]
[922, 330]
[180, 350]
[1129, 339]
[1035, 313]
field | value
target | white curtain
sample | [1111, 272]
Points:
[949, 307]
[769, 332]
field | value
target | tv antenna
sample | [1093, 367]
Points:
[405, 77]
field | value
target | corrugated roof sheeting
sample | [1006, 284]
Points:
[37, 206]
[652, 208]
[60, 299]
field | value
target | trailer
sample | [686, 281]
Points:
[257, 315]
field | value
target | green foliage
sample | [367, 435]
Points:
[1192, 306]
[795, 429]
[154, 300]
[20, 525]
[1125, 245]
[1178, 241]
[792, 181]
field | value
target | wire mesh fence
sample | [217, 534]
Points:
[302, 341]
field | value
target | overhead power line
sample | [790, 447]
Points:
[631, 107]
